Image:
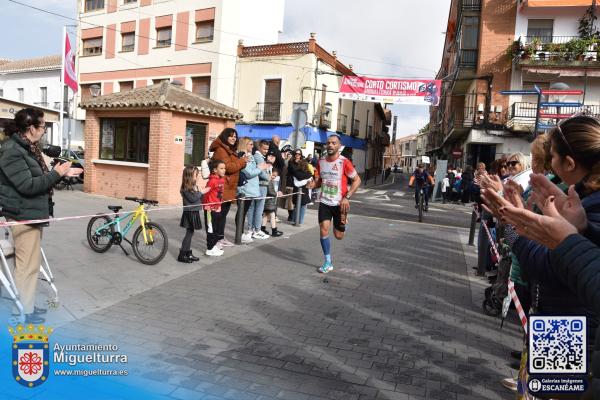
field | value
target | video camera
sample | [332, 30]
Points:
[55, 153]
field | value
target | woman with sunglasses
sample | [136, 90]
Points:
[575, 152]
[26, 189]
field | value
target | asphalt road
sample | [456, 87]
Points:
[395, 201]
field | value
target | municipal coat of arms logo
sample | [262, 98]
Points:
[30, 354]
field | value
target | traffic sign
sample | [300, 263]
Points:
[558, 104]
[298, 119]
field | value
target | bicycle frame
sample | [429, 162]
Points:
[138, 213]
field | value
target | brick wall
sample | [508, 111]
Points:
[160, 173]
[91, 137]
[498, 19]
[120, 181]
[162, 178]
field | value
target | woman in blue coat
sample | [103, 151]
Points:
[250, 189]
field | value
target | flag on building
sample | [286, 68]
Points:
[69, 75]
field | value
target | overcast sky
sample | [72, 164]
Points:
[394, 38]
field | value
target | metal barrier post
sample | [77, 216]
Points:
[239, 221]
[472, 230]
[297, 207]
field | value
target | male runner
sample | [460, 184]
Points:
[332, 176]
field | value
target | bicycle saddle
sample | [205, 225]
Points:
[115, 208]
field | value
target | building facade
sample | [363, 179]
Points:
[138, 141]
[502, 45]
[35, 82]
[126, 44]
[271, 78]
[408, 153]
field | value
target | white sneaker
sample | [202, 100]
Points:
[247, 237]
[510, 384]
[214, 252]
[260, 235]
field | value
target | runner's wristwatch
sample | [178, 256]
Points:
[347, 196]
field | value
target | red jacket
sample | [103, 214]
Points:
[216, 185]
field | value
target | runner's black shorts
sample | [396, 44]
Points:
[327, 213]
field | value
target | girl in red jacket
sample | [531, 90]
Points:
[212, 207]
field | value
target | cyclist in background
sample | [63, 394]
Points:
[421, 179]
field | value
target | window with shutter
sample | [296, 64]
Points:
[541, 29]
[272, 104]
[128, 41]
[93, 5]
[92, 47]
[125, 85]
[201, 86]
[205, 31]
[163, 37]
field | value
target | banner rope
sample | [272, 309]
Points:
[112, 214]
[511, 285]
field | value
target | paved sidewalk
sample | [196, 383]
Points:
[88, 281]
[395, 320]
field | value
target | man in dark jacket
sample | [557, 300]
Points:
[279, 163]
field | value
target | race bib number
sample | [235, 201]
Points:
[330, 189]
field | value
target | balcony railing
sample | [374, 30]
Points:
[355, 128]
[342, 123]
[521, 115]
[268, 111]
[470, 5]
[468, 58]
[458, 120]
[556, 49]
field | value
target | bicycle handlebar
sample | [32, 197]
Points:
[143, 201]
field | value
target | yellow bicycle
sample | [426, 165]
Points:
[149, 241]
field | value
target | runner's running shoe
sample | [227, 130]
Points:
[326, 267]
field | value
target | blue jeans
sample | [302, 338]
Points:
[255, 211]
[302, 212]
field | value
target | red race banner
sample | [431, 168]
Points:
[425, 92]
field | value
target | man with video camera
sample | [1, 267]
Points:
[26, 194]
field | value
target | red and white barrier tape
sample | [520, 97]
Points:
[513, 295]
[511, 285]
[110, 214]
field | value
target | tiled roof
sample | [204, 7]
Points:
[31, 64]
[166, 96]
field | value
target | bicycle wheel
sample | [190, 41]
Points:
[421, 207]
[152, 252]
[100, 240]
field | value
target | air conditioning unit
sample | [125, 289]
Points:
[498, 109]
[480, 108]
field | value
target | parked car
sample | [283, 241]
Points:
[77, 160]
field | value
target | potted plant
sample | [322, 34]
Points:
[576, 48]
[528, 51]
[553, 51]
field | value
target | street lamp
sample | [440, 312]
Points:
[95, 90]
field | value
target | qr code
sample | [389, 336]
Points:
[557, 345]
